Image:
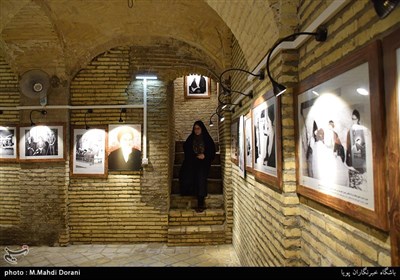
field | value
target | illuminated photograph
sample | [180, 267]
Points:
[124, 147]
[89, 152]
[339, 134]
[42, 143]
[335, 126]
[264, 115]
[8, 143]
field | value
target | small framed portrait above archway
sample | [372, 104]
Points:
[197, 86]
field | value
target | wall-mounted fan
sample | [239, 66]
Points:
[35, 84]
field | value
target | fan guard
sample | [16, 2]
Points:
[34, 84]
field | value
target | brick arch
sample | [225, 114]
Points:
[168, 58]
[75, 28]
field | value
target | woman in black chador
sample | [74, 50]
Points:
[199, 150]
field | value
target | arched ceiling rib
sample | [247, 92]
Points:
[34, 33]
[251, 22]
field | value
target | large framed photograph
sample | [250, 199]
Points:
[125, 147]
[197, 86]
[339, 137]
[248, 133]
[8, 143]
[88, 152]
[234, 141]
[267, 140]
[391, 63]
[42, 143]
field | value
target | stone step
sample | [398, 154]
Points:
[196, 235]
[212, 201]
[214, 186]
[183, 217]
[180, 156]
[215, 171]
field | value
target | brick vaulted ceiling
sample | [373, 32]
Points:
[61, 36]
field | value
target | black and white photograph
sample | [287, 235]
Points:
[124, 147]
[336, 145]
[248, 142]
[241, 148]
[89, 152]
[339, 136]
[197, 86]
[234, 141]
[8, 143]
[264, 116]
[42, 143]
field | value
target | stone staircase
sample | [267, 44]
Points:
[186, 226]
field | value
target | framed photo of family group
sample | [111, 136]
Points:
[339, 125]
[42, 143]
[197, 86]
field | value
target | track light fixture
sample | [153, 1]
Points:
[320, 35]
[123, 110]
[211, 122]
[384, 7]
[43, 112]
[228, 90]
[89, 111]
[220, 109]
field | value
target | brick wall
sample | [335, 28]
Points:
[127, 206]
[9, 195]
[279, 229]
[187, 111]
[330, 238]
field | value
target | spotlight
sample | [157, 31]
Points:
[43, 112]
[320, 35]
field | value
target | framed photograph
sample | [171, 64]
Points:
[125, 147]
[88, 152]
[234, 141]
[8, 143]
[241, 148]
[391, 65]
[339, 137]
[267, 140]
[42, 143]
[248, 133]
[197, 86]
